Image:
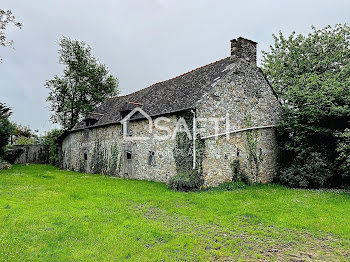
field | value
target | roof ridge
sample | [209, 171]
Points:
[173, 78]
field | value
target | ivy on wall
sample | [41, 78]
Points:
[82, 164]
[187, 178]
[115, 160]
[253, 157]
[69, 157]
[239, 175]
[99, 159]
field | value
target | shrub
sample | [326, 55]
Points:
[238, 174]
[51, 139]
[343, 159]
[315, 96]
[22, 140]
[12, 153]
[186, 181]
[309, 170]
[6, 127]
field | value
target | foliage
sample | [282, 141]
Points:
[254, 158]
[24, 131]
[50, 139]
[7, 18]
[186, 181]
[6, 127]
[309, 170]
[5, 111]
[343, 157]
[311, 74]
[84, 85]
[146, 221]
[238, 174]
[22, 140]
[183, 155]
[13, 153]
[115, 163]
[98, 164]
[82, 164]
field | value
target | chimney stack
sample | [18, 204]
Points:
[244, 49]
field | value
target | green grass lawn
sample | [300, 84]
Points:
[48, 214]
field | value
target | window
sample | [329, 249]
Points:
[151, 158]
[128, 155]
[237, 151]
[85, 156]
[90, 121]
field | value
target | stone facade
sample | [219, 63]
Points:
[239, 95]
[78, 151]
[245, 98]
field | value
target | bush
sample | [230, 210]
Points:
[238, 174]
[186, 181]
[309, 170]
[12, 153]
[343, 159]
[6, 130]
[22, 140]
[51, 139]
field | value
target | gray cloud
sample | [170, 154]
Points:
[141, 41]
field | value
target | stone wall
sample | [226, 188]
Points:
[246, 99]
[38, 154]
[79, 152]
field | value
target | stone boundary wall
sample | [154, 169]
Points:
[38, 154]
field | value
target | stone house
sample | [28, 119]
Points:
[229, 108]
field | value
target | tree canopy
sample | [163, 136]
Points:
[6, 128]
[311, 75]
[84, 85]
[6, 18]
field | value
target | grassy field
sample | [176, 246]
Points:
[48, 214]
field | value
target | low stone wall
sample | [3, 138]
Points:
[38, 154]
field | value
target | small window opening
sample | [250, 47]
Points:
[128, 155]
[151, 158]
[237, 151]
[85, 156]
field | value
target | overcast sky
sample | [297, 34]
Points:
[141, 41]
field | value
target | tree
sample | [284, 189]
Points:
[311, 75]
[6, 18]
[50, 139]
[6, 128]
[24, 131]
[343, 158]
[84, 85]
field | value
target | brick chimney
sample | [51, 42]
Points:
[244, 49]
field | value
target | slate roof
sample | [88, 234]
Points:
[173, 95]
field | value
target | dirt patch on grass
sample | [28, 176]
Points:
[249, 240]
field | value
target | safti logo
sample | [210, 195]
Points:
[212, 126]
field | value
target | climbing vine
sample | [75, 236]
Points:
[81, 164]
[187, 178]
[69, 157]
[239, 175]
[99, 159]
[251, 146]
[115, 160]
